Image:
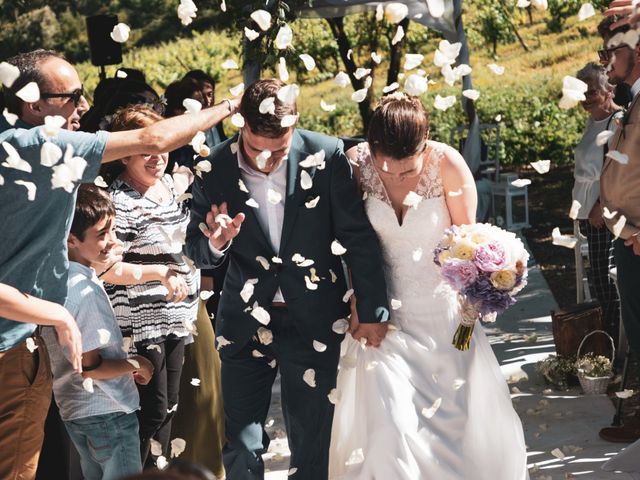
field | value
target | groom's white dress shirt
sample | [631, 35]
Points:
[270, 215]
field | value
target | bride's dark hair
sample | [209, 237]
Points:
[399, 126]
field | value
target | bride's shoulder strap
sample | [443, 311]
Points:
[431, 185]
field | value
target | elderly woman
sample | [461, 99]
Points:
[151, 221]
[589, 159]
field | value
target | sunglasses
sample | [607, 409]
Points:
[74, 96]
[605, 55]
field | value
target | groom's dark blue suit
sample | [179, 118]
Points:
[247, 372]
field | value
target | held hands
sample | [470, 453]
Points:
[221, 228]
[176, 286]
[145, 372]
[373, 333]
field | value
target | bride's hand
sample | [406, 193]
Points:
[353, 318]
[373, 333]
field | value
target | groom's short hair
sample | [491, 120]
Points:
[265, 124]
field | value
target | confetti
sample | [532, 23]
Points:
[431, 411]
[309, 377]
[120, 33]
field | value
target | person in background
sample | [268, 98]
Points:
[152, 223]
[589, 158]
[98, 406]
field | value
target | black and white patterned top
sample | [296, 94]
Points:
[152, 234]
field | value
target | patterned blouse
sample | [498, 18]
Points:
[152, 234]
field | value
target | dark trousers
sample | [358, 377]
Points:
[160, 396]
[600, 242]
[628, 265]
[247, 380]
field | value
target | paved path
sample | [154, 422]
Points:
[566, 420]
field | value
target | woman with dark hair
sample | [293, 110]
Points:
[416, 407]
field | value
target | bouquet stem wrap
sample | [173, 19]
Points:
[469, 316]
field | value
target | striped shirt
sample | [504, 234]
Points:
[152, 234]
[89, 305]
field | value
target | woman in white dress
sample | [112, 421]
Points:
[416, 407]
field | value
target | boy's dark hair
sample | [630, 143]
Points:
[604, 27]
[265, 124]
[29, 65]
[92, 205]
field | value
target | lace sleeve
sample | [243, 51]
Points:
[370, 182]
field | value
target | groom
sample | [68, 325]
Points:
[274, 202]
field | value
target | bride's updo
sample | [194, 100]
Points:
[399, 127]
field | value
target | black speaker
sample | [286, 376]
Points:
[104, 51]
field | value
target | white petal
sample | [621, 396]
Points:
[305, 180]
[458, 383]
[586, 11]
[230, 64]
[415, 85]
[274, 197]
[567, 241]
[203, 166]
[177, 447]
[626, 393]
[120, 33]
[30, 93]
[11, 118]
[619, 157]
[398, 36]
[31, 345]
[242, 186]
[471, 94]
[342, 79]
[391, 88]
[198, 140]
[263, 261]
[288, 121]
[541, 166]
[412, 199]
[355, 458]
[575, 208]
[416, 255]
[31, 189]
[234, 146]
[283, 73]
[276, 260]
[50, 154]
[618, 226]
[523, 3]
[334, 396]
[326, 107]
[309, 284]
[497, 69]
[395, 304]
[87, 384]
[436, 8]
[412, 60]
[222, 342]
[379, 12]
[250, 34]
[313, 202]
[444, 103]
[347, 295]
[252, 203]
[521, 182]
[431, 411]
[237, 90]
[603, 137]
[376, 57]
[156, 447]
[539, 4]
[261, 315]
[134, 362]
[191, 105]
[222, 219]
[262, 18]
[361, 73]
[126, 341]
[247, 290]
[319, 346]
[256, 354]
[607, 214]
[309, 62]
[262, 157]
[284, 37]
[53, 124]
[195, 382]
[268, 105]
[359, 95]
[104, 336]
[291, 471]
[8, 74]
[161, 461]
[206, 295]
[237, 120]
[309, 377]
[121, 74]
[1, 180]
[340, 326]
[395, 12]
[337, 248]
[556, 452]
[288, 94]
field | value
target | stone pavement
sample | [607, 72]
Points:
[568, 421]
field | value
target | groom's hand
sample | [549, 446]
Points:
[221, 228]
[374, 333]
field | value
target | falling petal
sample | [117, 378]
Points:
[261, 315]
[356, 457]
[262, 18]
[471, 94]
[342, 79]
[337, 248]
[237, 120]
[30, 93]
[586, 11]
[309, 377]
[288, 94]
[268, 105]
[31, 189]
[521, 182]
[497, 69]
[162, 462]
[431, 411]
[87, 384]
[195, 382]
[436, 8]
[567, 241]
[556, 452]
[134, 362]
[229, 64]
[247, 289]
[619, 157]
[326, 107]
[265, 336]
[376, 57]
[206, 295]
[252, 203]
[104, 335]
[305, 180]
[120, 33]
[575, 208]
[391, 88]
[263, 261]
[222, 342]
[31, 345]
[319, 346]
[273, 196]
[191, 105]
[603, 137]
[8, 74]
[340, 326]
[309, 284]
[415, 85]
[395, 304]
[288, 121]
[412, 199]
[187, 11]
[398, 36]
[11, 118]
[312, 203]
[284, 37]
[250, 34]
[242, 186]
[618, 226]
[50, 154]
[359, 95]
[309, 62]
[334, 396]
[541, 166]
[412, 60]
[347, 295]
[177, 447]
[283, 73]
[395, 12]
[262, 157]
[53, 124]
[444, 103]
[237, 90]
[607, 214]
[292, 471]
[626, 393]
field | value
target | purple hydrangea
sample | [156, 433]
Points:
[486, 297]
[490, 257]
[459, 273]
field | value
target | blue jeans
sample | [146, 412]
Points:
[108, 445]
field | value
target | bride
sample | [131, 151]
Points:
[417, 408]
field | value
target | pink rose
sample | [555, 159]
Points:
[459, 273]
[490, 257]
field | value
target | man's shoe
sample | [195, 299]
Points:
[623, 434]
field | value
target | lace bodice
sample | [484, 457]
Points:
[407, 248]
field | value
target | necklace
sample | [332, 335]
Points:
[155, 192]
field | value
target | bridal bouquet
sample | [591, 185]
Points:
[486, 266]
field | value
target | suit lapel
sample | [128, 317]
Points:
[620, 133]
[295, 192]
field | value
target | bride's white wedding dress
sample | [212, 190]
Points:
[416, 408]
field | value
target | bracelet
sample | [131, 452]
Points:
[93, 367]
[108, 268]
[229, 104]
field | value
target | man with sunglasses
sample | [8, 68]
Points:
[36, 206]
[620, 192]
